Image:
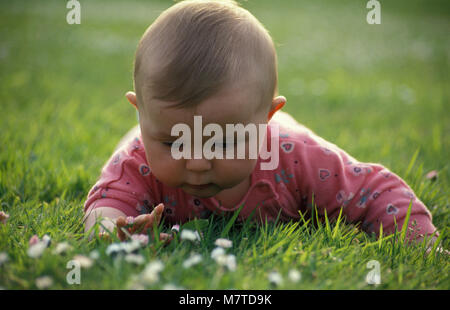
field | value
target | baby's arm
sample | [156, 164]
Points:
[123, 195]
[368, 192]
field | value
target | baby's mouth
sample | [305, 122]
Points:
[199, 187]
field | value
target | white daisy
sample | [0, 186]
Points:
[36, 250]
[62, 248]
[94, 254]
[275, 278]
[137, 259]
[123, 247]
[228, 261]
[44, 282]
[113, 248]
[294, 275]
[217, 252]
[84, 261]
[142, 238]
[224, 243]
[171, 287]
[222, 259]
[131, 246]
[150, 274]
[3, 258]
[33, 240]
[190, 235]
[231, 262]
[46, 239]
[193, 260]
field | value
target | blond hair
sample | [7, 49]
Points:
[195, 48]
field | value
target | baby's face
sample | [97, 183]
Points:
[233, 105]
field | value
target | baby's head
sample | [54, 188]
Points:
[203, 58]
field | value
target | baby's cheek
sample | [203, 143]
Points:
[233, 171]
[168, 171]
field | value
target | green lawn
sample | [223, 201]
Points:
[380, 92]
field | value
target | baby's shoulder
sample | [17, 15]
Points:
[129, 154]
[132, 140]
[290, 130]
[297, 140]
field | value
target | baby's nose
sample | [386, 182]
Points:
[198, 165]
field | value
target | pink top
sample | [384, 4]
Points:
[308, 166]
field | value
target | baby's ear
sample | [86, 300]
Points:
[131, 96]
[277, 104]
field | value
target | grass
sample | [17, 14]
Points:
[379, 92]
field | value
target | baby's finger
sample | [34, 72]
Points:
[159, 209]
[154, 217]
[140, 223]
[121, 222]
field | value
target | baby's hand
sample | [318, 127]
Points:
[141, 224]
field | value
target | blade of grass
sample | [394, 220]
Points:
[436, 243]
[338, 221]
[231, 222]
[305, 222]
[327, 224]
[406, 222]
[411, 163]
[380, 237]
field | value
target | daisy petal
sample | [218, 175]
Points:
[84, 261]
[193, 260]
[224, 243]
[44, 282]
[190, 235]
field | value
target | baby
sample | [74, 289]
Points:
[216, 60]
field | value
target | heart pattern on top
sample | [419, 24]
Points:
[144, 169]
[287, 147]
[324, 174]
[391, 209]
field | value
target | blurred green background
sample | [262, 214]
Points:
[380, 92]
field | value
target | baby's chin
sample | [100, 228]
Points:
[208, 192]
